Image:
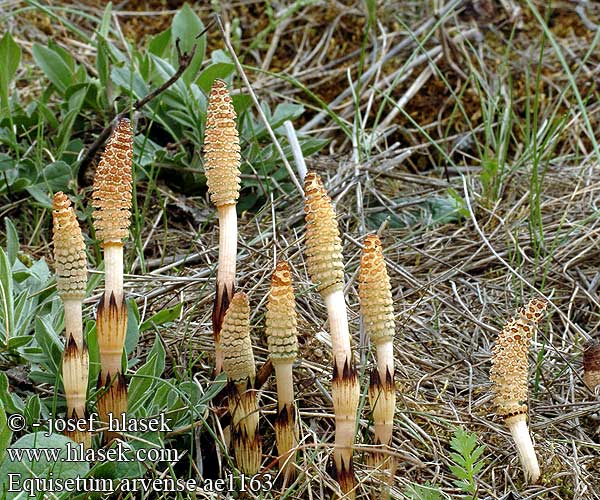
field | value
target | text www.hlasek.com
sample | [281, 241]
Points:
[77, 453]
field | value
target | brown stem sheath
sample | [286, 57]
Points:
[75, 371]
[286, 425]
[385, 358]
[382, 397]
[345, 393]
[112, 400]
[73, 320]
[75, 378]
[111, 324]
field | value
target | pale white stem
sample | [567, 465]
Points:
[286, 430]
[296, 149]
[345, 431]
[73, 320]
[520, 433]
[227, 243]
[113, 271]
[338, 327]
[385, 358]
[285, 385]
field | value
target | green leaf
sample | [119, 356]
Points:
[55, 177]
[48, 115]
[211, 73]
[32, 410]
[160, 43]
[53, 66]
[163, 71]
[423, 492]
[372, 11]
[241, 103]
[465, 486]
[119, 470]
[160, 399]
[458, 472]
[477, 452]
[133, 326]
[161, 317]
[11, 402]
[10, 57]
[50, 344]
[7, 306]
[215, 387]
[7, 162]
[40, 195]
[103, 63]
[130, 81]
[12, 241]
[465, 458]
[463, 442]
[286, 111]
[41, 465]
[186, 27]
[76, 96]
[93, 351]
[16, 342]
[105, 23]
[459, 203]
[5, 432]
[145, 377]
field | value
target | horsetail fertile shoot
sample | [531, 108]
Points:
[238, 364]
[326, 269]
[71, 270]
[377, 311]
[222, 166]
[281, 329]
[112, 214]
[509, 375]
